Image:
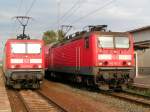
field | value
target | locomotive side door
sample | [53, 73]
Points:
[78, 63]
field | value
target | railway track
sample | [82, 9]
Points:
[51, 101]
[130, 97]
[15, 101]
[141, 87]
[137, 94]
[32, 101]
[35, 102]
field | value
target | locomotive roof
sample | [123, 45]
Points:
[86, 34]
[112, 33]
[19, 40]
[51, 44]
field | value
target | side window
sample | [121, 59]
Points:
[86, 42]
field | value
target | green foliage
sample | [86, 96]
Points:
[61, 35]
[51, 36]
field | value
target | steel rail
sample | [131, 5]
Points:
[24, 103]
[129, 97]
[51, 101]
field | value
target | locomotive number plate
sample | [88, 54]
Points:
[26, 60]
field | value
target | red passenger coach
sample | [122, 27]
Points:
[95, 57]
[23, 63]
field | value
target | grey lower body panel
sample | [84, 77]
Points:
[24, 77]
[88, 70]
[99, 74]
[73, 70]
[23, 73]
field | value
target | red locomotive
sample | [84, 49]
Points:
[23, 64]
[95, 57]
[46, 52]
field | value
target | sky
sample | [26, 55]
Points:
[119, 15]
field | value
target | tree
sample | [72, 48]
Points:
[49, 37]
[61, 35]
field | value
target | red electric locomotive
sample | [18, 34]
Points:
[46, 53]
[95, 57]
[23, 64]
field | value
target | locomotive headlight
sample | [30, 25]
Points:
[100, 64]
[39, 66]
[124, 57]
[12, 66]
[129, 63]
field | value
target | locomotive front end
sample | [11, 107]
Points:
[25, 63]
[115, 60]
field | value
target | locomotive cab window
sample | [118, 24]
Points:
[18, 48]
[34, 48]
[23, 48]
[86, 42]
[122, 42]
[105, 42]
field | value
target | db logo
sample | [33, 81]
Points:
[26, 60]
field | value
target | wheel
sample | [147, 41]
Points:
[36, 86]
[7, 82]
[104, 87]
[17, 86]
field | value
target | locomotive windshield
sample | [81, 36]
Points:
[18, 48]
[105, 42]
[122, 42]
[33, 48]
[26, 48]
[113, 42]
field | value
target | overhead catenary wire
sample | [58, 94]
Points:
[31, 6]
[14, 28]
[54, 25]
[70, 10]
[87, 15]
[28, 10]
[94, 11]
[67, 14]
[19, 7]
[74, 11]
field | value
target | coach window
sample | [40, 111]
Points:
[86, 42]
